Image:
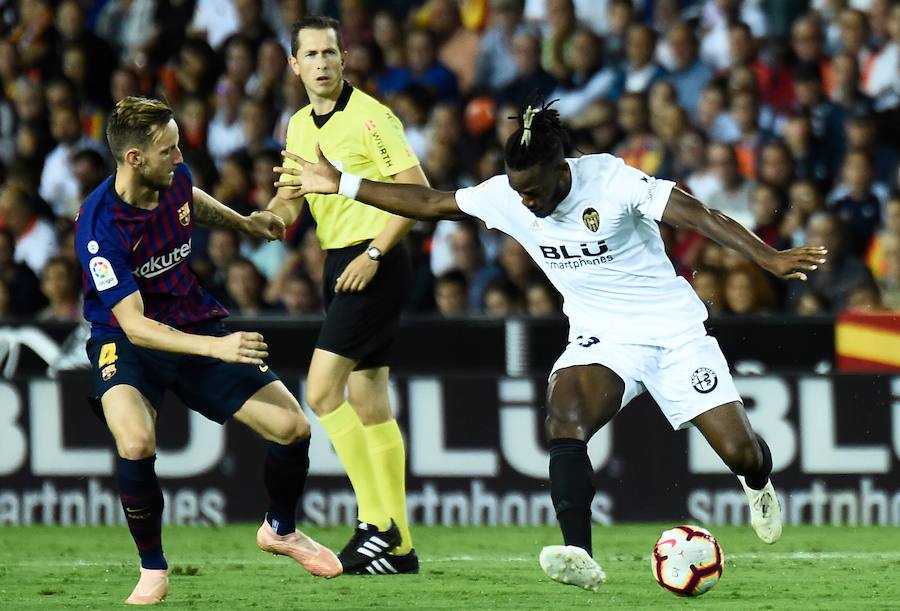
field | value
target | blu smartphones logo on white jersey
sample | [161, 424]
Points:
[162, 263]
[586, 253]
[592, 249]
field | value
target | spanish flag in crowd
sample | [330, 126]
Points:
[868, 341]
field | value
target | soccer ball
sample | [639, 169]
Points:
[687, 560]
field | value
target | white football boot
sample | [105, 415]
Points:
[765, 511]
[572, 566]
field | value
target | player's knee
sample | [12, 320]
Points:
[136, 446]
[323, 398]
[289, 428]
[742, 456]
[565, 426]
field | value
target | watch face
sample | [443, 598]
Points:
[374, 253]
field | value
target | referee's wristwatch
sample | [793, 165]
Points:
[374, 253]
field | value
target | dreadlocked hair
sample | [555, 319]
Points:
[540, 140]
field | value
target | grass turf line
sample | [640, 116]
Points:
[462, 568]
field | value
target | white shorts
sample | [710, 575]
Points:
[684, 381]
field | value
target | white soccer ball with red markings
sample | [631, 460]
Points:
[687, 560]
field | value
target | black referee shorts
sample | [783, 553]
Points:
[362, 326]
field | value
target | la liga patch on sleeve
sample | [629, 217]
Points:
[102, 273]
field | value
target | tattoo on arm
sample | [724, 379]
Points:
[213, 215]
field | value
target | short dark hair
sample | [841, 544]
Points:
[548, 143]
[134, 122]
[315, 22]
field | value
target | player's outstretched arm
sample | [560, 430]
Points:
[683, 210]
[260, 224]
[239, 347]
[412, 201]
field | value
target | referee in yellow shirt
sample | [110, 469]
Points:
[367, 272]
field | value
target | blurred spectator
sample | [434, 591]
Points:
[214, 21]
[767, 205]
[127, 25]
[222, 248]
[450, 293]
[854, 35]
[502, 299]
[58, 184]
[862, 134]
[20, 284]
[747, 291]
[240, 62]
[256, 124]
[811, 303]
[244, 287]
[192, 71]
[72, 29]
[883, 81]
[808, 158]
[495, 67]
[422, 68]
[712, 114]
[865, 297]
[688, 73]
[312, 258]
[803, 199]
[542, 300]
[235, 181]
[640, 70]
[265, 83]
[388, 35]
[251, 23]
[123, 83]
[36, 37]
[875, 256]
[193, 122]
[586, 78]
[226, 134]
[776, 165]
[733, 196]
[808, 45]
[744, 109]
[889, 280]
[61, 285]
[690, 164]
[620, 14]
[558, 35]
[856, 204]
[299, 295]
[639, 148]
[89, 169]
[35, 238]
[531, 79]
[457, 45]
[413, 105]
[707, 283]
[842, 270]
[826, 118]
[846, 92]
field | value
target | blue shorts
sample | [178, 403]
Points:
[206, 385]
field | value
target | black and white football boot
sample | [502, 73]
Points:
[367, 544]
[389, 564]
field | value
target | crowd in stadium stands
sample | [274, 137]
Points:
[782, 114]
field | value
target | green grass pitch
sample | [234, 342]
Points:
[462, 568]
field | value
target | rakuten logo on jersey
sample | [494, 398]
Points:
[162, 263]
[567, 256]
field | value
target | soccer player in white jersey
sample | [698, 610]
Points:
[591, 226]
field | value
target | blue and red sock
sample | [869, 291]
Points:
[142, 501]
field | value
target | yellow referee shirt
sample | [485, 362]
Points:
[361, 136]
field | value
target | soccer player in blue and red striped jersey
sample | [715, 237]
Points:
[154, 328]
